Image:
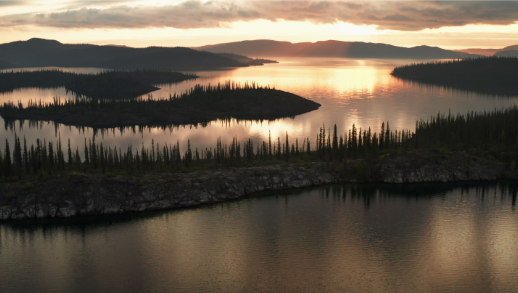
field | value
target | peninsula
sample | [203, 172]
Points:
[199, 105]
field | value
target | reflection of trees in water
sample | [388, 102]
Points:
[492, 89]
[81, 225]
[368, 193]
[13, 125]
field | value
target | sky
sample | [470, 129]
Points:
[191, 23]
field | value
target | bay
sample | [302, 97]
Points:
[360, 92]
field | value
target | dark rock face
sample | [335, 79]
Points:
[83, 195]
[433, 166]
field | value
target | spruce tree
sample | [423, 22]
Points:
[335, 142]
[7, 159]
[87, 159]
[2, 167]
[26, 168]
[69, 154]
[269, 144]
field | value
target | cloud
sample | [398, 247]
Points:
[11, 3]
[404, 15]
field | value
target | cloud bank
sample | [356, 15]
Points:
[405, 16]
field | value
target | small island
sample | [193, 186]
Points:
[116, 84]
[201, 104]
[490, 75]
[247, 60]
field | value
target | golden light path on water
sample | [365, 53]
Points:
[360, 92]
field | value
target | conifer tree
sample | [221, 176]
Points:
[335, 142]
[25, 157]
[7, 159]
[87, 159]
[269, 144]
[2, 167]
[69, 154]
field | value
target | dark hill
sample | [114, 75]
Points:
[487, 52]
[513, 47]
[42, 53]
[332, 49]
[507, 53]
[177, 58]
[4, 64]
[23, 52]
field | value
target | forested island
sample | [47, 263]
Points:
[116, 84]
[491, 75]
[199, 105]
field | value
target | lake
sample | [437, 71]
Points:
[351, 91]
[338, 238]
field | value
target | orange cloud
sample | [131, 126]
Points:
[403, 16]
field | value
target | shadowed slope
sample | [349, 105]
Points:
[42, 53]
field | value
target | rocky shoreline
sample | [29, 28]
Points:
[74, 195]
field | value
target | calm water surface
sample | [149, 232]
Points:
[350, 91]
[341, 238]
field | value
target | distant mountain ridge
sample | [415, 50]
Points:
[332, 48]
[489, 52]
[41, 53]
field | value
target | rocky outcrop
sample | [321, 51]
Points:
[82, 195]
[434, 166]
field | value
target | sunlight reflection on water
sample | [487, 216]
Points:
[350, 91]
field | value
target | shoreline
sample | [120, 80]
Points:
[81, 195]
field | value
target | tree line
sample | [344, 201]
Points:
[491, 134]
[106, 84]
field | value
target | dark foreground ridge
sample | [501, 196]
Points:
[87, 195]
[116, 84]
[491, 75]
[199, 105]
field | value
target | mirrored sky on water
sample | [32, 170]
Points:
[350, 91]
